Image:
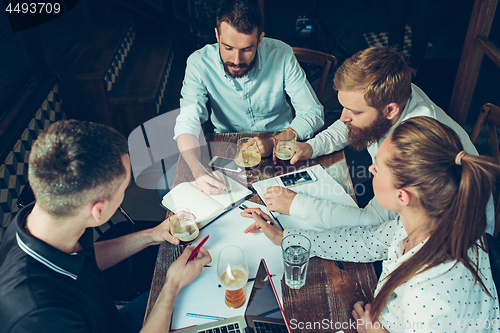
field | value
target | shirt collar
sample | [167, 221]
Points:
[59, 261]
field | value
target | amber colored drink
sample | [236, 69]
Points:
[235, 296]
[248, 159]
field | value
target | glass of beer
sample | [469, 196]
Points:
[183, 225]
[284, 143]
[232, 271]
[248, 157]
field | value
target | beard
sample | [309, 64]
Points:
[245, 68]
[361, 138]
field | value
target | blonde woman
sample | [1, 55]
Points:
[436, 273]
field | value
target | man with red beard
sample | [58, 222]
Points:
[374, 87]
[246, 78]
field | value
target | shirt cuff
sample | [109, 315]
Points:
[316, 151]
[303, 129]
[299, 206]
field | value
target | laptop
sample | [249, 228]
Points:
[263, 313]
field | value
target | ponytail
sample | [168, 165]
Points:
[452, 186]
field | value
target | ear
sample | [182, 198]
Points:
[392, 111]
[404, 197]
[217, 34]
[260, 38]
[96, 210]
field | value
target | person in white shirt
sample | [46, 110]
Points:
[374, 87]
[436, 272]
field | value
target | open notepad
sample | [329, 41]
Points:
[205, 207]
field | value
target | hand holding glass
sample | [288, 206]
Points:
[183, 225]
[284, 143]
[248, 157]
[232, 271]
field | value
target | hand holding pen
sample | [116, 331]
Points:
[197, 249]
[209, 183]
[269, 220]
[263, 223]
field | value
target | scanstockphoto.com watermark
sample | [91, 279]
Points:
[330, 325]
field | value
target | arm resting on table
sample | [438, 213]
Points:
[329, 140]
[326, 214]
[354, 244]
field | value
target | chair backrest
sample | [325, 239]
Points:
[491, 115]
[327, 61]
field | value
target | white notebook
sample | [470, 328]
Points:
[206, 208]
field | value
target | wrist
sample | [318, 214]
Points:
[152, 237]
[171, 286]
[197, 171]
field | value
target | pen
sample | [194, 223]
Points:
[208, 172]
[197, 248]
[202, 316]
[243, 207]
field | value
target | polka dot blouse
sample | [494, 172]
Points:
[442, 299]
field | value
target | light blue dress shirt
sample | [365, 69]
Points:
[257, 105]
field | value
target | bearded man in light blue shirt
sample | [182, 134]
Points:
[246, 77]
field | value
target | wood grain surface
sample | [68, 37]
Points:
[329, 293]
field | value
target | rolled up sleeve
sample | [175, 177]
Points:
[309, 115]
[193, 102]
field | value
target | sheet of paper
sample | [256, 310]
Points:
[203, 296]
[235, 191]
[324, 188]
[187, 195]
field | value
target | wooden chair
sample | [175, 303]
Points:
[327, 61]
[476, 45]
[491, 115]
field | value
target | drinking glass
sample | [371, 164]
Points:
[232, 271]
[284, 143]
[248, 157]
[183, 225]
[295, 250]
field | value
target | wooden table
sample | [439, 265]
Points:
[329, 293]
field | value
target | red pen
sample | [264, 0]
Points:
[197, 249]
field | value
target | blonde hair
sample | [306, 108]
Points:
[381, 73]
[454, 197]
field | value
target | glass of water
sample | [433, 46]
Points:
[295, 250]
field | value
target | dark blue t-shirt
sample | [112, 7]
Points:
[43, 289]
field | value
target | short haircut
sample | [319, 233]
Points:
[74, 163]
[382, 73]
[243, 15]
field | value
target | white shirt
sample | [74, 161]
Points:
[325, 214]
[436, 300]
